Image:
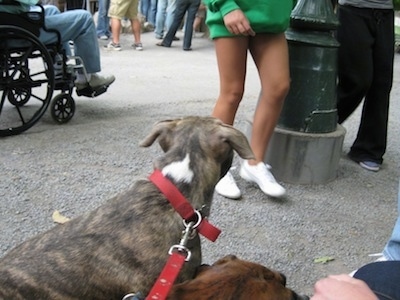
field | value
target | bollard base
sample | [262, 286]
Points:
[304, 158]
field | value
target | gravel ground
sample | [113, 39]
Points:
[75, 167]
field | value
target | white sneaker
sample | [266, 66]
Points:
[227, 187]
[96, 81]
[261, 175]
[381, 257]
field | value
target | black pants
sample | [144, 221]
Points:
[383, 278]
[365, 71]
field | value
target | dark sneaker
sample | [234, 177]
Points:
[113, 46]
[138, 46]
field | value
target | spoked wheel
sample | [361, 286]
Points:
[62, 108]
[26, 80]
[20, 95]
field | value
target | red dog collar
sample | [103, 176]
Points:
[182, 206]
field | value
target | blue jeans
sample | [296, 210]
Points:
[164, 16]
[183, 6]
[392, 248]
[148, 9]
[77, 26]
[383, 278]
[103, 21]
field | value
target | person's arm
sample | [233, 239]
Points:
[223, 6]
[342, 287]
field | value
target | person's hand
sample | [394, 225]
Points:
[342, 287]
[237, 23]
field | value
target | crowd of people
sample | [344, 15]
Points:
[164, 17]
[365, 73]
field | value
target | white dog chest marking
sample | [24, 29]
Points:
[179, 170]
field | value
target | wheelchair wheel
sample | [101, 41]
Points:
[20, 95]
[26, 80]
[62, 108]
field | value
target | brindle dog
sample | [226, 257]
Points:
[122, 246]
[232, 278]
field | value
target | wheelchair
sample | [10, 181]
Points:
[30, 72]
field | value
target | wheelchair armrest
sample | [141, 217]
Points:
[31, 20]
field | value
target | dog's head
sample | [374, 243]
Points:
[233, 278]
[198, 150]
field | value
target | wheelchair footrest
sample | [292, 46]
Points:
[88, 91]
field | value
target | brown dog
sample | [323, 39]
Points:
[232, 278]
[122, 246]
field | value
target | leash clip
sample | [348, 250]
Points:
[187, 234]
[133, 296]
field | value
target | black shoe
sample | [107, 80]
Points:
[162, 45]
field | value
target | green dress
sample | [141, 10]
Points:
[265, 16]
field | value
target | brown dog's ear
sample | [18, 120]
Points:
[238, 141]
[225, 259]
[160, 129]
[202, 268]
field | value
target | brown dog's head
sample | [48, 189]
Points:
[233, 278]
[203, 137]
[198, 152]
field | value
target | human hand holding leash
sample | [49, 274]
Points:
[237, 23]
[342, 287]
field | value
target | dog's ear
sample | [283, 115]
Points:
[160, 130]
[225, 259]
[238, 141]
[202, 268]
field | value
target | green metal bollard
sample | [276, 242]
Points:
[310, 105]
[307, 142]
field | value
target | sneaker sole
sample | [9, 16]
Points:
[374, 169]
[229, 196]
[112, 48]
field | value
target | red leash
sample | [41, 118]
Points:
[178, 253]
[167, 277]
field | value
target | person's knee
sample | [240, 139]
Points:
[280, 90]
[79, 16]
[50, 10]
[233, 96]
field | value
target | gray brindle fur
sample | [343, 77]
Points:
[121, 247]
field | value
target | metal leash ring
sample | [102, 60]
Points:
[199, 219]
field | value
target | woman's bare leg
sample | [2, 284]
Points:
[270, 54]
[232, 61]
